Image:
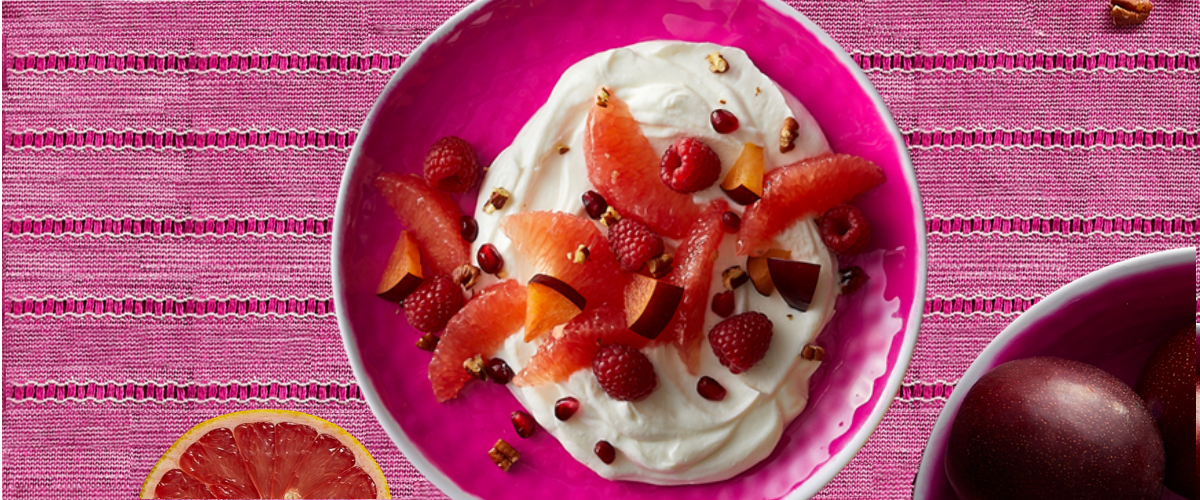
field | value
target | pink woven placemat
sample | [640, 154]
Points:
[170, 173]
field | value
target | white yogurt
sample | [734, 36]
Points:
[674, 436]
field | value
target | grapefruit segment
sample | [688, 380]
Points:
[480, 327]
[431, 216]
[807, 187]
[624, 167]
[693, 272]
[549, 239]
[266, 454]
[573, 347]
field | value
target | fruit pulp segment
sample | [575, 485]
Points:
[624, 167]
[403, 272]
[548, 239]
[693, 272]
[480, 327]
[265, 460]
[431, 216]
[805, 188]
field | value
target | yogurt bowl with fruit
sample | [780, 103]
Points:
[693, 264]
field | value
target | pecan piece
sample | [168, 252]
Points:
[476, 367]
[659, 266]
[716, 63]
[504, 455]
[788, 135]
[498, 199]
[428, 342]
[1130, 12]
[465, 275]
[734, 277]
[580, 255]
[812, 353]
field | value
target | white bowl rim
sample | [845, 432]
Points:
[1044, 307]
[822, 475]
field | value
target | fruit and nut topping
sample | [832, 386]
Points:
[498, 371]
[724, 303]
[710, 389]
[565, 408]
[581, 254]
[524, 424]
[689, 165]
[788, 134]
[813, 353]
[594, 204]
[634, 243]
[465, 276]
[734, 277]
[845, 230]
[476, 367]
[742, 341]
[489, 259]
[851, 279]
[659, 266]
[605, 452]
[624, 372]
[1130, 12]
[428, 342]
[716, 63]
[504, 455]
[497, 200]
[451, 165]
[723, 121]
[431, 305]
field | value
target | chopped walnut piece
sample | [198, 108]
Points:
[476, 367]
[734, 277]
[466, 275]
[499, 198]
[562, 149]
[812, 353]
[504, 455]
[788, 135]
[757, 90]
[602, 97]
[610, 217]
[581, 254]
[716, 63]
[428, 342]
[659, 266]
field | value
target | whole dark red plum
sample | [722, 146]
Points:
[1166, 384]
[1051, 428]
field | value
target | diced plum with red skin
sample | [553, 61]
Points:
[432, 218]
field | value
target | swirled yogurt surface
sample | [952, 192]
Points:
[674, 436]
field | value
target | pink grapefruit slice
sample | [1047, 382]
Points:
[693, 272]
[266, 454]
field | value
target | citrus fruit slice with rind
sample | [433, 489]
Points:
[266, 454]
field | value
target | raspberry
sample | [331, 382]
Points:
[845, 230]
[741, 341]
[624, 372]
[451, 165]
[433, 303]
[689, 165]
[634, 243]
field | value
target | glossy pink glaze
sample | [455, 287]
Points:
[482, 81]
[1114, 324]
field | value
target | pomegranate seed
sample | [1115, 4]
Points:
[852, 279]
[605, 451]
[723, 121]
[524, 423]
[499, 371]
[731, 222]
[565, 408]
[489, 259]
[723, 304]
[468, 228]
[709, 388]
[594, 204]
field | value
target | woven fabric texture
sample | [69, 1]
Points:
[170, 172]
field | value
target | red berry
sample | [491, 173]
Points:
[731, 222]
[741, 341]
[451, 165]
[489, 259]
[710, 389]
[723, 303]
[605, 452]
[497, 370]
[845, 230]
[624, 372]
[468, 228]
[689, 165]
[594, 204]
[524, 423]
[723, 121]
[852, 279]
[565, 408]
[432, 304]
[634, 243]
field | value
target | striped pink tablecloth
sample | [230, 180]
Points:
[170, 173]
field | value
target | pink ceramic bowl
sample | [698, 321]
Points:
[1112, 318]
[481, 76]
